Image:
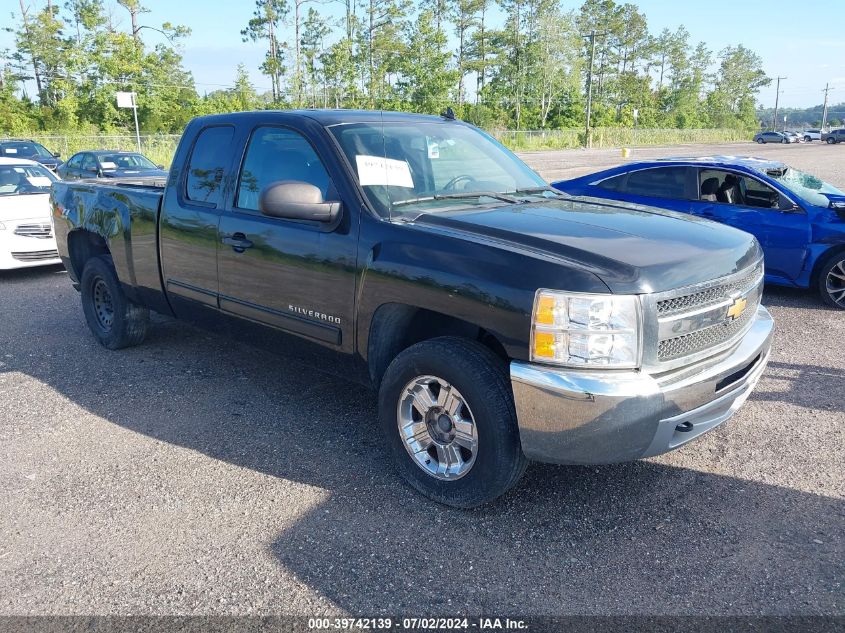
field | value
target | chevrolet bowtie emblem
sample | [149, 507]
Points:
[736, 309]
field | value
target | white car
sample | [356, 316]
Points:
[812, 135]
[26, 226]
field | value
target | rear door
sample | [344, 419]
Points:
[665, 187]
[188, 227]
[764, 212]
[289, 276]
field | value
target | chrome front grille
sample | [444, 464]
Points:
[710, 337]
[699, 321]
[41, 231]
[35, 256]
[709, 296]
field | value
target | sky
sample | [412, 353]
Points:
[792, 43]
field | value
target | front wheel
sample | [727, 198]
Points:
[113, 319]
[832, 281]
[784, 141]
[446, 410]
[830, 140]
[807, 139]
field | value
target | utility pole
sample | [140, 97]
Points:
[777, 96]
[592, 36]
[824, 111]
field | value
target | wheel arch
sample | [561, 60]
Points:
[82, 245]
[822, 259]
[396, 327]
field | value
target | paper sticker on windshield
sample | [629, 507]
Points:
[39, 181]
[433, 148]
[10, 150]
[108, 165]
[377, 170]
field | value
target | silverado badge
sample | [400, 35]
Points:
[736, 309]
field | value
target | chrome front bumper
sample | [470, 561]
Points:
[604, 416]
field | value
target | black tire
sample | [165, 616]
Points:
[113, 319]
[833, 264]
[483, 380]
[807, 139]
[761, 141]
[831, 140]
[784, 141]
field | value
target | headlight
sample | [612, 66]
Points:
[586, 330]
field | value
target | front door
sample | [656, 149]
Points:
[753, 206]
[291, 277]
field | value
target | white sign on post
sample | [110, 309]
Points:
[127, 100]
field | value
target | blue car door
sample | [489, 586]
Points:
[751, 205]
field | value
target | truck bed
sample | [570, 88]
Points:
[123, 211]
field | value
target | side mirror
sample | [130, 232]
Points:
[296, 200]
[160, 167]
[57, 154]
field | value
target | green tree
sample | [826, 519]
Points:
[264, 25]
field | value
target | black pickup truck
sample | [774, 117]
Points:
[499, 320]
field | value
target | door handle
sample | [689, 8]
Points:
[238, 242]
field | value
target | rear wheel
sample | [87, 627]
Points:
[113, 319]
[831, 283]
[761, 141]
[447, 413]
[807, 139]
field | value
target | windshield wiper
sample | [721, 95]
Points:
[537, 190]
[460, 196]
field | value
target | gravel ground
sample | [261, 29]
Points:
[193, 476]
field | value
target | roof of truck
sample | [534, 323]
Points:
[333, 117]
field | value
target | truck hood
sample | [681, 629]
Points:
[631, 248]
[33, 206]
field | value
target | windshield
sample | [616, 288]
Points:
[24, 179]
[126, 161]
[806, 186]
[24, 150]
[409, 168]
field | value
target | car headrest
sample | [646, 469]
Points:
[709, 186]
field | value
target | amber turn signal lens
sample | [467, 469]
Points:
[544, 345]
[545, 310]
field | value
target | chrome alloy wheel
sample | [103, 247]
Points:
[835, 283]
[437, 428]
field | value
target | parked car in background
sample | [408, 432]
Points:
[110, 164]
[771, 137]
[812, 135]
[799, 219]
[30, 150]
[834, 136]
[26, 230]
[794, 137]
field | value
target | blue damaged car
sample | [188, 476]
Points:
[798, 219]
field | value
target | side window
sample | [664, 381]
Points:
[613, 184]
[278, 154]
[729, 188]
[208, 163]
[75, 161]
[88, 162]
[662, 182]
